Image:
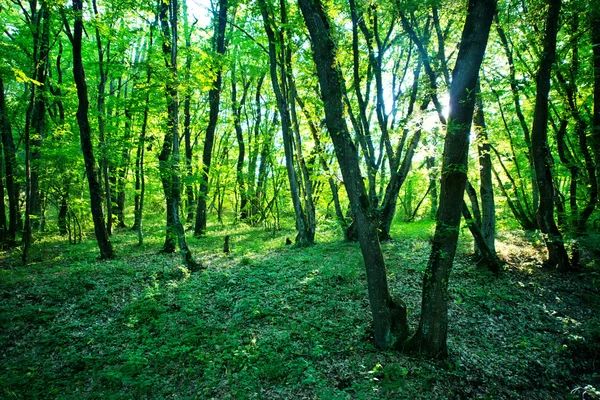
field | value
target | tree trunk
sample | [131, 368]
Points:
[35, 126]
[595, 140]
[486, 188]
[516, 93]
[389, 316]
[431, 335]
[10, 164]
[488, 259]
[169, 155]
[542, 159]
[214, 96]
[100, 103]
[3, 227]
[106, 250]
[305, 235]
[237, 111]
[187, 118]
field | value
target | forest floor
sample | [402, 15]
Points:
[270, 321]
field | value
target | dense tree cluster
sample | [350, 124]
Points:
[359, 112]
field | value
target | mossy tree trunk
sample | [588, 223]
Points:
[431, 334]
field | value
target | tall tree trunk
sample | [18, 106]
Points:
[279, 84]
[169, 155]
[35, 126]
[431, 335]
[542, 159]
[239, 168]
[214, 98]
[100, 108]
[305, 235]
[10, 165]
[187, 118]
[106, 250]
[516, 93]
[389, 316]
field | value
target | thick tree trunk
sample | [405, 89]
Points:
[389, 317]
[106, 250]
[214, 96]
[10, 164]
[557, 255]
[431, 335]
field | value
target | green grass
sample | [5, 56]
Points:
[273, 321]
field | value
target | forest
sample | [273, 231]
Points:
[300, 199]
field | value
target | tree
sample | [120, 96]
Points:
[169, 154]
[283, 87]
[106, 250]
[10, 165]
[431, 334]
[214, 96]
[389, 316]
[542, 159]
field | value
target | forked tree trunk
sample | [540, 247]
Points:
[557, 255]
[389, 316]
[431, 335]
[306, 232]
[106, 250]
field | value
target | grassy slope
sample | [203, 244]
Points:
[271, 321]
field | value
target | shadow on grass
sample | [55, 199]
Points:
[274, 321]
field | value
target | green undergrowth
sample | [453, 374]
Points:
[273, 321]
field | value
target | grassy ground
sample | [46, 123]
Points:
[274, 322]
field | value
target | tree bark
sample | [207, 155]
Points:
[389, 316]
[542, 159]
[106, 250]
[431, 335]
[214, 96]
